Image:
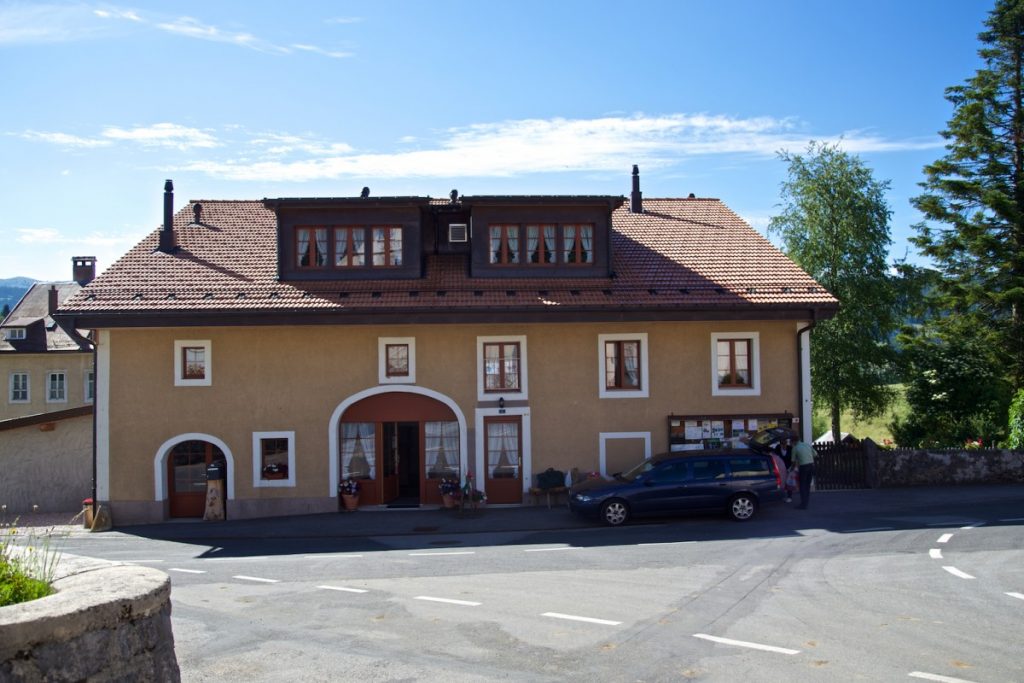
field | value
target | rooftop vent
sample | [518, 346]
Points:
[636, 200]
[83, 269]
[167, 241]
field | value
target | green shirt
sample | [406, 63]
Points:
[803, 454]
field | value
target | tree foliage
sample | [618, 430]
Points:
[973, 199]
[835, 225]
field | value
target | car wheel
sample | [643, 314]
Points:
[615, 512]
[742, 507]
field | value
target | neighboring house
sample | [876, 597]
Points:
[400, 340]
[45, 368]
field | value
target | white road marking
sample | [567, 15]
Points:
[1019, 596]
[325, 557]
[937, 677]
[449, 601]
[254, 578]
[956, 572]
[186, 571]
[874, 528]
[668, 543]
[458, 552]
[935, 554]
[342, 588]
[544, 550]
[944, 538]
[743, 643]
[589, 620]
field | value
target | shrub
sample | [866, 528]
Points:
[1016, 426]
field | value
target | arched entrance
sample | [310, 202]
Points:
[186, 476]
[399, 443]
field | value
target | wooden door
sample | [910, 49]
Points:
[503, 459]
[389, 462]
[186, 477]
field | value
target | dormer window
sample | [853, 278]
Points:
[505, 244]
[578, 243]
[349, 247]
[387, 246]
[14, 333]
[311, 247]
[541, 243]
[545, 244]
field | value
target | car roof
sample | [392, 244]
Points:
[707, 453]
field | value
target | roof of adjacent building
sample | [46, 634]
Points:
[33, 309]
[679, 256]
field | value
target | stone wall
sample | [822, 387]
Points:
[46, 460]
[106, 622]
[922, 467]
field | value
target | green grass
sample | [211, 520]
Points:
[877, 428]
[25, 575]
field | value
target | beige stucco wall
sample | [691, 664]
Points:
[49, 465]
[293, 379]
[74, 363]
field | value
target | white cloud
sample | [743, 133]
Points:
[193, 28]
[38, 236]
[22, 23]
[509, 148]
[336, 54]
[163, 135]
[64, 139]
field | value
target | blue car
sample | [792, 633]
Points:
[736, 482]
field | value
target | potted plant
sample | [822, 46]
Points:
[349, 490]
[470, 495]
[449, 490]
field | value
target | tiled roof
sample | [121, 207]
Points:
[679, 254]
[34, 307]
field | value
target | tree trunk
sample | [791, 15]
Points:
[837, 435]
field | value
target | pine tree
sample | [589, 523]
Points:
[975, 195]
[835, 225]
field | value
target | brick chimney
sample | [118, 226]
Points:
[636, 200]
[52, 301]
[167, 241]
[84, 270]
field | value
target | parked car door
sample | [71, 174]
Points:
[708, 485]
[663, 489]
[753, 472]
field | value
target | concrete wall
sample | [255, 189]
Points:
[48, 464]
[106, 622]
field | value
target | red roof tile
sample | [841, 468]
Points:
[679, 254]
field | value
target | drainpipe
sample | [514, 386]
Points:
[805, 430]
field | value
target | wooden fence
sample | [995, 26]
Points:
[840, 466]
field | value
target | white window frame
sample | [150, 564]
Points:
[179, 370]
[524, 389]
[28, 387]
[605, 437]
[89, 379]
[382, 360]
[64, 386]
[755, 364]
[645, 388]
[257, 460]
[14, 333]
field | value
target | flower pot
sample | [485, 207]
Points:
[350, 502]
[448, 501]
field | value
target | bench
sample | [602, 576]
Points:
[536, 492]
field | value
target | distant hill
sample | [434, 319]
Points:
[12, 289]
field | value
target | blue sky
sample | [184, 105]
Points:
[243, 100]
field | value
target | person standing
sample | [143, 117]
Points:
[803, 458]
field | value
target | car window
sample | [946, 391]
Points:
[632, 473]
[704, 470]
[670, 473]
[749, 467]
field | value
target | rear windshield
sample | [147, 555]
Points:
[749, 467]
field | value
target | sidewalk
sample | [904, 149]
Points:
[948, 501]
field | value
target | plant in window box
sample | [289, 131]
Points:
[275, 471]
[349, 490]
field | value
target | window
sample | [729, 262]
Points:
[90, 386]
[735, 364]
[56, 387]
[193, 363]
[749, 467]
[396, 360]
[623, 365]
[441, 450]
[578, 244]
[14, 333]
[19, 388]
[503, 447]
[311, 247]
[504, 244]
[541, 243]
[273, 459]
[349, 247]
[387, 246]
[358, 450]
[501, 367]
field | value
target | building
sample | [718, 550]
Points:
[401, 340]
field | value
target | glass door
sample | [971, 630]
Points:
[504, 459]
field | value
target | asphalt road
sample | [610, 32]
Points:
[926, 588]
